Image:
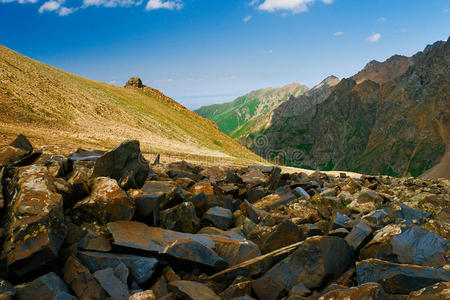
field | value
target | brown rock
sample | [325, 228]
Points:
[438, 291]
[266, 288]
[367, 291]
[239, 289]
[254, 178]
[202, 187]
[282, 235]
[16, 151]
[367, 201]
[81, 281]
[181, 217]
[107, 202]
[145, 295]
[48, 286]
[112, 285]
[35, 230]
[192, 290]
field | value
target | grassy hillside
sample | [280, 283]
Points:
[240, 117]
[54, 107]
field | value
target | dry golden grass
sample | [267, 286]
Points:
[60, 112]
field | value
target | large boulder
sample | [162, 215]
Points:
[316, 260]
[221, 217]
[35, 228]
[366, 201]
[125, 164]
[284, 234]
[141, 268]
[112, 285]
[407, 244]
[107, 202]
[399, 278]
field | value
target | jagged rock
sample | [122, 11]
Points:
[300, 192]
[377, 219]
[2, 199]
[273, 201]
[181, 217]
[80, 182]
[341, 221]
[299, 290]
[266, 288]
[7, 290]
[141, 268]
[64, 296]
[406, 244]
[122, 272]
[359, 235]
[192, 250]
[145, 295]
[107, 202]
[35, 230]
[184, 182]
[310, 230]
[252, 212]
[367, 291]
[95, 238]
[81, 155]
[154, 189]
[284, 234]
[134, 82]
[192, 290]
[438, 291]
[140, 236]
[125, 164]
[16, 151]
[202, 187]
[228, 188]
[366, 201]
[220, 217]
[112, 285]
[340, 232]
[81, 281]
[315, 260]
[214, 173]
[399, 278]
[254, 178]
[45, 287]
[238, 289]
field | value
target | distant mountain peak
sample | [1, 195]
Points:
[381, 72]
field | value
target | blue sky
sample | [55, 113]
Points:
[210, 51]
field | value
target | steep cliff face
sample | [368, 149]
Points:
[393, 122]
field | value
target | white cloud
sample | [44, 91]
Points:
[169, 4]
[295, 6]
[253, 2]
[338, 33]
[64, 11]
[19, 1]
[374, 38]
[445, 10]
[381, 20]
[168, 80]
[247, 18]
[111, 3]
[49, 6]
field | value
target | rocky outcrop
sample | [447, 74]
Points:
[221, 233]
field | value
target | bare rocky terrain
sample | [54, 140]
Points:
[111, 225]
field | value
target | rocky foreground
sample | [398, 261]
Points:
[109, 225]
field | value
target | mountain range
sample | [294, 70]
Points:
[391, 118]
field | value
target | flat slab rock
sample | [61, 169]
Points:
[137, 235]
[399, 278]
[192, 290]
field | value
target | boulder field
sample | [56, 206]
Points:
[110, 225]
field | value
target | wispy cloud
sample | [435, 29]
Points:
[247, 18]
[381, 20]
[166, 80]
[401, 30]
[446, 10]
[374, 38]
[294, 6]
[169, 4]
[270, 51]
[338, 33]
[57, 6]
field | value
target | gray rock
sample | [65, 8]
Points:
[45, 287]
[359, 235]
[181, 217]
[315, 260]
[192, 290]
[141, 268]
[125, 164]
[220, 217]
[112, 285]
[399, 278]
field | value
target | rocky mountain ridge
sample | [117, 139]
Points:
[108, 225]
[245, 114]
[396, 122]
